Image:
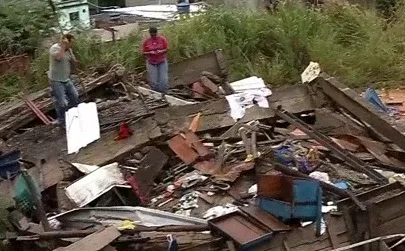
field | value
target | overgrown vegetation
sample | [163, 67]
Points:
[23, 25]
[357, 45]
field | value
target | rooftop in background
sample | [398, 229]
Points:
[161, 12]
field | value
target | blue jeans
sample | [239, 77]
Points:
[158, 74]
[65, 97]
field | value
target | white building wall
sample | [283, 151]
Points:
[74, 15]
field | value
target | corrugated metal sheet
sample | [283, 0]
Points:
[108, 216]
[95, 184]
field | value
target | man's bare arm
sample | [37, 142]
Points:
[59, 55]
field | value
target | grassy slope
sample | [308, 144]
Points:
[353, 44]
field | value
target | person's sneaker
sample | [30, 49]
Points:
[164, 97]
[59, 124]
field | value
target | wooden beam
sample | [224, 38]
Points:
[189, 70]
[360, 108]
[94, 242]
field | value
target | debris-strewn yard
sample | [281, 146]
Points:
[213, 165]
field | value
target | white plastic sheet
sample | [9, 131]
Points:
[82, 126]
[252, 84]
[95, 184]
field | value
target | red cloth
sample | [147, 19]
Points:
[124, 132]
[154, 44]
[135, 188]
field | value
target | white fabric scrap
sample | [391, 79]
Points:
[251, 83]
[322, 176]
[247, 90]
[95, 184]
[306, 223]
[55, 224]
[82, 126]
[253, 189]
[219, 211]
[86, 169]
[327, 209]
[311, 72]
[239, 102]
[323, 225]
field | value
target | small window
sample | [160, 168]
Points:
[84, 10]
[74, 16]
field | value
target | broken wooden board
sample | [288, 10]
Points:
[216, 114]
[149, 169]
[94, 242]
[385, 214]
[361, 109]
[189, 70]
[106, 150]
[304, 238]
[16, 115]
[331, 123]
[191, 241]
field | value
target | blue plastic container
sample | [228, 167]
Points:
[9, 163]
[183, 8]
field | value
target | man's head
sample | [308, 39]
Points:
[153, 31]
[69, 39]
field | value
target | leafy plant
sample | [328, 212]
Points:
[23, 25]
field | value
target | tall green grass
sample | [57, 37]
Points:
[354, 44]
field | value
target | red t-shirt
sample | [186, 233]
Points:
[154, 44]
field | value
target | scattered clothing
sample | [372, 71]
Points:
[124, 132]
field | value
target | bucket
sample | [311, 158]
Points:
[183, 8]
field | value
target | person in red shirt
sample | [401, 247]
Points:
[155, 48]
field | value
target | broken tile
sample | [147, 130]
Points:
[182, 149]
[195, 143]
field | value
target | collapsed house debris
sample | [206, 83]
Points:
[317, 167]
